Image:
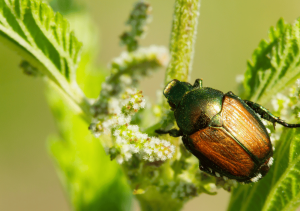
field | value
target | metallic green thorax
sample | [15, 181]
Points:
[194, 107]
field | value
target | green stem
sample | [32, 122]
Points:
[182, 43]
[73, 96]
[71, 91]
[183, 38]
[154, 200]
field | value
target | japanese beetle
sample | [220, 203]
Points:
[223, 131]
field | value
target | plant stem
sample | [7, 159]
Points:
[182, 43]
[75, 98]
[153, 200]
[183, 38]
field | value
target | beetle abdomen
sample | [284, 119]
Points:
[235, 142]
[222, 150]
[243, 124]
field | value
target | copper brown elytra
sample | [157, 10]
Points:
[223, 131]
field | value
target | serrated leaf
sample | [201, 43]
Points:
[280, 188]
[43, 38]
[275, 63]
[92, 180]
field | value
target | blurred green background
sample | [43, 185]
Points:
[228, 32]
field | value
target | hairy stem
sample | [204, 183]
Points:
[181, 49]
[183, 38]
[155, 201]
[76, 101]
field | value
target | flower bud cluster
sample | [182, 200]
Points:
[128, 139]
[184, 190]
[225, 183]
[286, 105]
[294, 95]
[126, 71]
[138, 63]
[139, 17]
[132, 102]
[280, 104]
[119, 112]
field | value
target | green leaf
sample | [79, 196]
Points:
[274, 66]
[280, 188]
[67, 6]
[33, 26]
[92, 180]
[275, 63]
[43, 38]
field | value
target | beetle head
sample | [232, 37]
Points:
[175, 90]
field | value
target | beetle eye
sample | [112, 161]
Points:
[173, 106]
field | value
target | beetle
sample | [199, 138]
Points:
[223, 131]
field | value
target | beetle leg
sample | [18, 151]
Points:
[185, 141]
[197, 84]
[206, 170]
[267, 115]
[172, 132]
